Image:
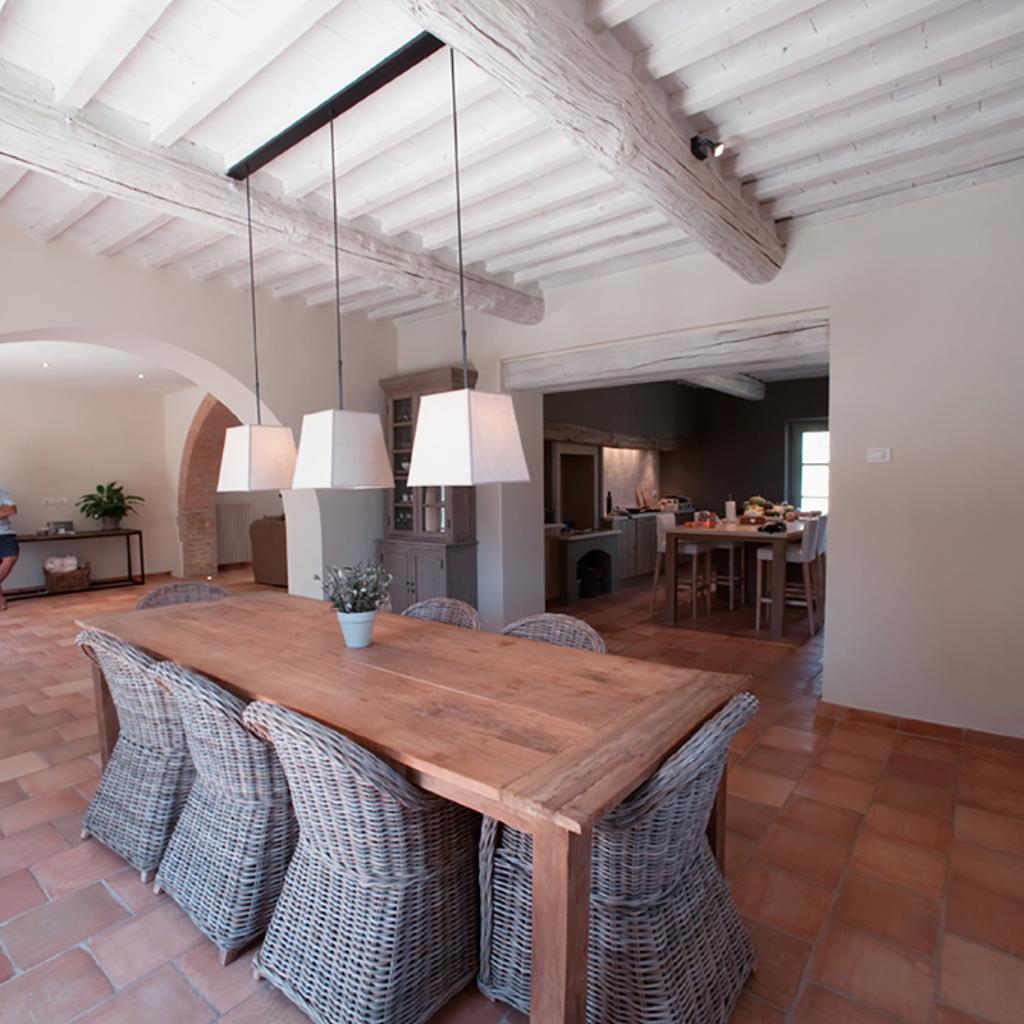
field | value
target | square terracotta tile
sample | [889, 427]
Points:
[72, 869]
[29, 813]
[982, 981]
[934, 730]
[862, 740]
[919, 746]
[749, 818]
[52, 927]
[781, 960]
[55, 992]
[788, 763]
[938, 801]
[135, 947]
[1007, 803]
[826, 820]
[926, 770]
[908, 827]
[751, 1010]
[802, 853]
[950, 1015]
[983, 916]
[888, 912]
[18, 893]
[882, 976]
[800, 741]
[10, 793]
[269, 1006]
[25, 848]
[774, 898]
[162, 997]
[1011, 744]
[760, 787]
[222, 987]
[989, 870]
[990, 830]
[135, 894]
[985, 772]
[18, 765]
[738, 851]
[839, 790]
[72, 773]
[819, 1006]
[842, 763]
[903, 864]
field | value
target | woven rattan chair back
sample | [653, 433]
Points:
[226, 861]
[447, 610]
[563, 630]
[377, 920]
[666, 942]
[185, 592]
[149, 774]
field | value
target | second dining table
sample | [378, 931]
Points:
[742, 533]
[545, 739]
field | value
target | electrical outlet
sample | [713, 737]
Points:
[49, 501]
[879, 455]
[63, 501]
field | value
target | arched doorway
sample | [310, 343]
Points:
[197, 487]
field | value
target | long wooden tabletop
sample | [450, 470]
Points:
[496, 722]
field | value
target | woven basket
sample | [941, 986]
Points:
[62, 582]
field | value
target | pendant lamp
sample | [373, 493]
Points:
[256, 458]
[465, 437]
[339, 449]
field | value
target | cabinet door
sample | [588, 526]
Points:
[646, 544]
[396, 561]
[428, 575]
[627, 548]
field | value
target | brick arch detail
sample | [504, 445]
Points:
[197, 487]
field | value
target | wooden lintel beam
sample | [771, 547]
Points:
[38, 137]
[557, 65]
[572, 433]
[739, 385]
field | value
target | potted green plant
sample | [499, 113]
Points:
[109, 504]
[357, 592]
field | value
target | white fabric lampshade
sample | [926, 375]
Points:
[465, 438]
[257, 459]
[342, 449]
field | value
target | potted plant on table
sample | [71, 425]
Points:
[357, 592]
[109, 504]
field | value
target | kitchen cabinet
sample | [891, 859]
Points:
[425, 570]
[638, 543]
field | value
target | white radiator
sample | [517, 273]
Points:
[233, 533]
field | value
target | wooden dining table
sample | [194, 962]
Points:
[545, 739]
[742, 533]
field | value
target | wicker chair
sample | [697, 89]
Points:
[447, 610]
[377, 921]
[563, 630]
[666, 942]
[149, 774]
[182, 593]
[227, 858]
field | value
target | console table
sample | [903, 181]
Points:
[129, 580]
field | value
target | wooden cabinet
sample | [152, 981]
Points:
[427, 569]
[638, 544]
[430, 543]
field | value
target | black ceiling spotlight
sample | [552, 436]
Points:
[702, 147]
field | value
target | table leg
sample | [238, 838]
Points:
[106, 713]
[716, 824]
[561, 919]
[778, 584]
[672, 577]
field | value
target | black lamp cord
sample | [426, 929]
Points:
[252, 299]
[458, 222]
[337, 264]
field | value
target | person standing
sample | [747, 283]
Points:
[8, 540]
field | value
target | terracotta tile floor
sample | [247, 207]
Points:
[881, 873]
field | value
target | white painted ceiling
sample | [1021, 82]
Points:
[828, 109]
[79, 365]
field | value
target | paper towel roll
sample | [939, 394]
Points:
[730, 511]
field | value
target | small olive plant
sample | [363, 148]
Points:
[356, 588]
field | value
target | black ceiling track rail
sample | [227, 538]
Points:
[413, 53]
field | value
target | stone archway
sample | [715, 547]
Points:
[197, 487]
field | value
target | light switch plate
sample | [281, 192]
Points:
[879, 455]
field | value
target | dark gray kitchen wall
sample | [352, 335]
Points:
[739, 447]
[662, 410]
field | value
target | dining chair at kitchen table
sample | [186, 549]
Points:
[562, 630]
[227, 857]
[184, 592]
[149, 773]
[666, 940]
[377, 920]
[697, 553]
[802, 554]
[448, 610]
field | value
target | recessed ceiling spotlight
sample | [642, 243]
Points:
[46, 366]
[142, 376]
[702, 147]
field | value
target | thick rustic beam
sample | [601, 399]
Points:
[739, 385]
[571, 433]
[559, 67]
[58, 219]
[38, 137]
[677, 355]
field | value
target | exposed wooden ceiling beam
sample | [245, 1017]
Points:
[739, 385]
[59, 219]
[558, 66]
[604, 14]
[118, 237]
[807, 43]
[38, 137]
[167, 252]
[208, 96]
[713, 27]
[10, 175]
[82, 80]
[673, 356]
[619, 264]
